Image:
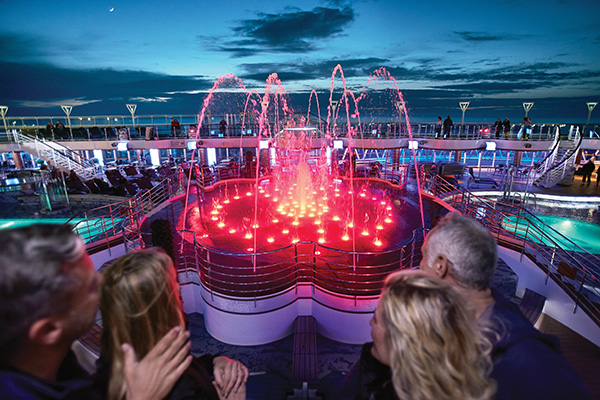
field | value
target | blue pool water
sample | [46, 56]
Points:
[88, 229]
[584, 234]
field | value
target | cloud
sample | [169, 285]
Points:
[479, 36]
[39, 85]
[298, 70]
[296, 31]
[75, 102]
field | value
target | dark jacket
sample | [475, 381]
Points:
[368, 380]
[72, 383]
[195, 383]
[527, 363]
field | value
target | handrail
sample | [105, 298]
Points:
[548, 252]
[551, 154]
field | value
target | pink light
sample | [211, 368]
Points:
[249, 249]
[345, 238]
[248, 194]
[295, 240]
[226, 201]
[236, 197]
[317, 253]
[248, 236]
[321, 240]
[275, 221]
[365, 233]
[270, 240]
[388, 220]
[379, 227]
[285, 231]
[377, 242]
[221, 224]
[336, 218]
[232, 230]
[255, 226]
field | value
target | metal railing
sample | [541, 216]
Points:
[568, 264]
[108, 127]
[124, 218]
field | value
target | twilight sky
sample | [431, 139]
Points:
[99, 55]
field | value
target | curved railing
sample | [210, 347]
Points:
[573, 268]
[123, 218]
[257, 275]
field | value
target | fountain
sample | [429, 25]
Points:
[298, 216]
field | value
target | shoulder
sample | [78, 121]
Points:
[528, 363]
[18, 385]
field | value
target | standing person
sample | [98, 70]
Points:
[527, 363]
[438, 127]
[448, 124]
[175, 127]
[426, 345]
[140, 300]
[49, 128]
[223, 126]
[506, 125]
[498, 126]
[49, 298]
[525, 128]
[588, 170]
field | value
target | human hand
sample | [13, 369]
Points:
[230, 378]
[239, 395]
[155, 375]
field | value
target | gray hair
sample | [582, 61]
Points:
[35, 278]
[468, 246]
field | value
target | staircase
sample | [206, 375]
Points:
[559, 166]
[56, 154]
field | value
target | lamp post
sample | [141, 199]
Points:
[590, 107]
[463, 106]
[132, 108]
[400, 105]
[527, 107]
[4, 109]
[333, 104]
[67, 110]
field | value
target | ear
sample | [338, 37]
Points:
[46, 331]
[441, 266]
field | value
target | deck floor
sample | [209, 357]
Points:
[580, 352]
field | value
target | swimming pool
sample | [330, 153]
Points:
[88, 229]
[582, 233]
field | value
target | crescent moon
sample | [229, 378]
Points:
[111, 10]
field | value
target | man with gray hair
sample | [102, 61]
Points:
[527, 363]
[49, 298]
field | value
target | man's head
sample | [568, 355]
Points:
[460, 249]
[48, 287]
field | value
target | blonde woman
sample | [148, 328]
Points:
[426, 345]
[140, 303]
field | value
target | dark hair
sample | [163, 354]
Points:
[35, 278]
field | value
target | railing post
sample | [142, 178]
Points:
[524, 241]
[579, 292]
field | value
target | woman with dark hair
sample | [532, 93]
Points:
[140, 303]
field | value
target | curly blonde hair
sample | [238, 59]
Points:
[140, 303]
[437, 351]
